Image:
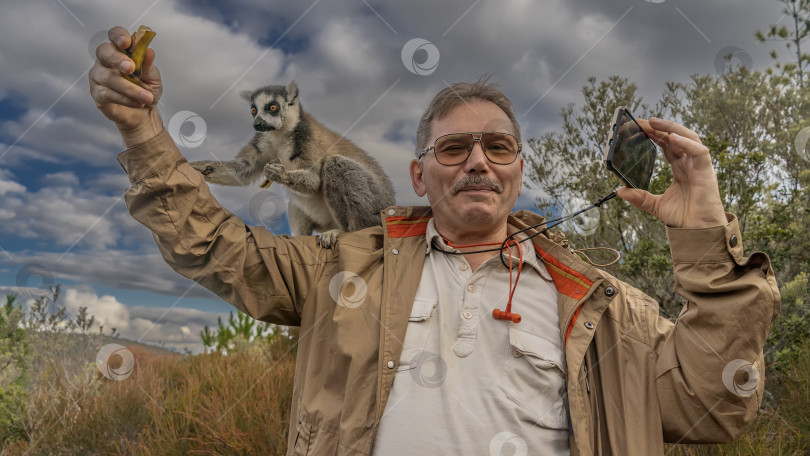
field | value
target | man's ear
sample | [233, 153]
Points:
[417, 177]
[520, 189]
[246, 94]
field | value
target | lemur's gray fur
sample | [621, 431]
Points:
[334, 185]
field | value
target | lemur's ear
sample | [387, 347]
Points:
[292, 92]
[246, 94]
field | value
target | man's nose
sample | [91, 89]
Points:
[477, 161]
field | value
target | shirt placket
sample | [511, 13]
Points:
[470, 313]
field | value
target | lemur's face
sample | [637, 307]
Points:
[270, 106]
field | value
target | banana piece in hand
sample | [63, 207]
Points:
[266, 183]
[137, 51]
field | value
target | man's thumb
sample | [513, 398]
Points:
[637, 198]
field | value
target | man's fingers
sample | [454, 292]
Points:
[639, 199]
[673, 127]
[149, 71]
[105, 96]
[120, 36]
[111, 78]
[111, 57]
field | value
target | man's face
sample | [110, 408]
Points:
[469, 207]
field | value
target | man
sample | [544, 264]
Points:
[400, 352]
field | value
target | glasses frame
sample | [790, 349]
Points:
[477, 137]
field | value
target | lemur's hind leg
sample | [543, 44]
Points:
[300, 223]
[353, 194]
[245, 168]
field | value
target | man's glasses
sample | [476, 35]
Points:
[455, 148]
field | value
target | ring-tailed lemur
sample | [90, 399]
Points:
[334, 185]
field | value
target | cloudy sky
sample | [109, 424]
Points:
[62, 215]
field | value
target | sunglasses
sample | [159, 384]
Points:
[455, 148]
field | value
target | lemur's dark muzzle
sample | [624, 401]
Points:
[260, 125]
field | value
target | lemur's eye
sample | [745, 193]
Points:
[253, 110]
[273, 108]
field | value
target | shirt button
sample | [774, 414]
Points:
[463, 267]
[467, 314]
[515, 353]
[391, 212]
[395, 251]
[471, 288]
[733, 241]
[390, 364]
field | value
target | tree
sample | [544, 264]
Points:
[798, 13]
[747, 119]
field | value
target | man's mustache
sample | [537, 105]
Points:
[476, 180]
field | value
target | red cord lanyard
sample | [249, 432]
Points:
[497, 313]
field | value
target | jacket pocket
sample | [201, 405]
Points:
[420, 323]
[534, 379]
[302, 438]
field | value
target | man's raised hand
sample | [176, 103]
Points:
[132, 107]
[693, 199]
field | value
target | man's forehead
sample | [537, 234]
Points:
[480, 116]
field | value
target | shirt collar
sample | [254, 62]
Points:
[435, 240]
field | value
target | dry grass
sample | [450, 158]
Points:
[170, 405]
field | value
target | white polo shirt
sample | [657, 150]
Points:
[469, 384]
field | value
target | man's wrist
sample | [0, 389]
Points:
[146, 130]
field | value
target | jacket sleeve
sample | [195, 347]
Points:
[263, 275]
[709, 368]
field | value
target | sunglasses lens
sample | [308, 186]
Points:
[500, 147]
[453, 149]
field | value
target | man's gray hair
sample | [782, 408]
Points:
[456, 94]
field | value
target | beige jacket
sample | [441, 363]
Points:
[634, 379]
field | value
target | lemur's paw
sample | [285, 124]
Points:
[328, 238]
[275, 172]
[205, 167]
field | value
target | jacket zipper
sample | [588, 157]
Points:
[587, 386]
